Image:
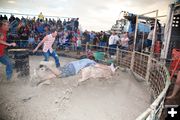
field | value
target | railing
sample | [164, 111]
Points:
[159, 81]
[140, 64]
[124, 58]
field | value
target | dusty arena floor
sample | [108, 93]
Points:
[118, 98]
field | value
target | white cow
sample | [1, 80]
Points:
[94, 71]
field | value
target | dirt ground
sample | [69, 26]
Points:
[118, 98]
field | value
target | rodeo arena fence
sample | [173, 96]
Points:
[143, 66]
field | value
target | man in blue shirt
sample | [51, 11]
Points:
[71, 68]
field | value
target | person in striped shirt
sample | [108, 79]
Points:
[48, 51]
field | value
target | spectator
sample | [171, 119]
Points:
[31, 41]
[4, 59]
[86, 36]
[12, 18]
[79, 32]
[92, 36]
[68, 25]
[148, 42]
[72, 24]
[37, 40]
[41, 17]
[78, 42]
[23, 32]
[61, 42]
[1, 17]
[113, 40]
[13, 26]
[76, 24]
[46, 30]
[74, 42]
[40, 28]
[103, 39]
[64, 23]
[5, 17]
[124, 41]
[95, 42]
[23, 21]
[34, 19]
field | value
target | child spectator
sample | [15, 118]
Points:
[74, 41]
[61, 42]
[78, 43]
[36, 41]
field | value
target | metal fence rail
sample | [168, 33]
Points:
[157, 77]
[155, 109]
[140, 64]
[124, 58]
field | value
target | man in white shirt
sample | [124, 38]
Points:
[113, 39]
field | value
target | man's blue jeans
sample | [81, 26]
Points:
[112, 49]
[9, 68]
[102, 44]
[54, 55]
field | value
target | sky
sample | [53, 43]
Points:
[93, 15]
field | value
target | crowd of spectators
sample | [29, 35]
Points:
[32, 30]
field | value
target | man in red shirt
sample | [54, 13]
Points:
[4, 59]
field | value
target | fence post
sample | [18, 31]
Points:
[154, 35]
[108, 52]
[117, 55]
[152, 48]
[134, 45]
[148, 68]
